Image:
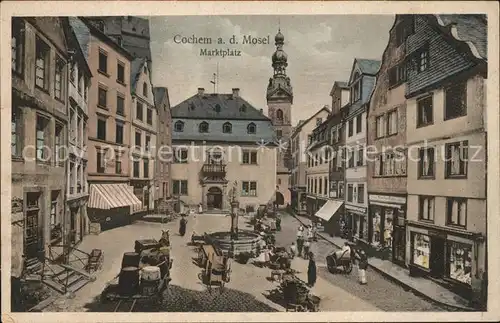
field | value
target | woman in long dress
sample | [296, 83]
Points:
[311, 270]
[362, 266]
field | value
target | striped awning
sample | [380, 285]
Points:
[110, 196]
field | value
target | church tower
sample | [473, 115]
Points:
[279, 104]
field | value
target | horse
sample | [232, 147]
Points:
[165, 238]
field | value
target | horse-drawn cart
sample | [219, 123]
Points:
[343, 259]
[217, 272]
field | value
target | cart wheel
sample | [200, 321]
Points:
[348, 268]
[331, 269]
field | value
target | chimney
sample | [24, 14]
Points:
[261, 111]
[236, 92]
[201, 91]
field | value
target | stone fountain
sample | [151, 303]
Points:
[235, 241]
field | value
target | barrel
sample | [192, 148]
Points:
[151, 273]
[130, 259]
[149, 287]
[128, 281]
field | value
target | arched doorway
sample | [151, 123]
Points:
[214, 198]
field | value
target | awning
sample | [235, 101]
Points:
[110, 196]
[328, 209]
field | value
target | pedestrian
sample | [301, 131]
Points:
[311, 270]
[278, 223]
[300, 240]
[362, 266]
[309, 233]
[200, 208]
[307, 247]
[293, 250]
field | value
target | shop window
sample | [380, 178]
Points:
[350, 190]
[421, 246]
[456, 159]
[376, 221]
[388, 227]
[459, 262]
[426, 208]
[455, 101]
[426, 162]
[425, 112]
[16, 137]
[456, 212]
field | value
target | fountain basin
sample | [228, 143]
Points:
[247, 242]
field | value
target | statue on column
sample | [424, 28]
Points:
[235, 204]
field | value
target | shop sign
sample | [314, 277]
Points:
[357, 209]
[387, 199]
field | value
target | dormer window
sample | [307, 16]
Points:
[191, 106]
[227, 127]
[251, 128]
[119, 40]
[179, 126]
[203, 128]
[217, 108]
[243, 108]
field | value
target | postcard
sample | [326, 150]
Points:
[289, 161]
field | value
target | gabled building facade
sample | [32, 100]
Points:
[299, 158]
[446, 135]
[279, 97]
[215, 143]
[336, 138]
[387, 137]
[361, 82]
[78, 94]
[163, 139]
[317, 169]
[111, 199]
[143, 132]
[38, 132]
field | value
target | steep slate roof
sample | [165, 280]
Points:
[301, 123]
[135, 71]
[471, 29]
[204, 107]
[159, 94]
[368, 66]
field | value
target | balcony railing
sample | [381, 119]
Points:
[214, 171]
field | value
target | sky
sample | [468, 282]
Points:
[321, 49]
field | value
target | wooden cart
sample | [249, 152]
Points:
[216, 273]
